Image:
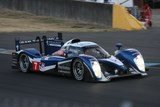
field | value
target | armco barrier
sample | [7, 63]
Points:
[95, 13]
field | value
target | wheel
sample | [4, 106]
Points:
[78, 69]
[24, 63]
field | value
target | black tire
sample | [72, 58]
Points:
[24, 63]
[78, 69]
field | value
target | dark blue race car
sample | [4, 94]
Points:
[84, 60]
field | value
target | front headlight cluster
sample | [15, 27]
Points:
[139, 61]
[97, 69]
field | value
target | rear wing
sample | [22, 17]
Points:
[47, 45]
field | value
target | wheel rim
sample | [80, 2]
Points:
[24, 63]
[78, 70]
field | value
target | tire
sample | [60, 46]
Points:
[78, 69]
[24, 63]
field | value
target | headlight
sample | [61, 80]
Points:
[140, 63]
[97, 69]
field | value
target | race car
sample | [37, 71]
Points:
[84, 60]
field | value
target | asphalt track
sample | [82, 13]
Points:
[37, 90]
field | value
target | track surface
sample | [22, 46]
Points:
[37, 90]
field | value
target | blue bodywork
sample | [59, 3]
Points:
[120, 65]
[127, 56]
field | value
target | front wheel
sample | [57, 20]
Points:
[78, 69]
[24, 63]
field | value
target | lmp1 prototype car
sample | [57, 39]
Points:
[84, 60]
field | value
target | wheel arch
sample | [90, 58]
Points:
[127, 56]
[29, 65]
[32, 53]
[89, 75]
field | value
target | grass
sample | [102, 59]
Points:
[17, 21]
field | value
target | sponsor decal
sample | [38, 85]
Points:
[43, 69]
[63, 62]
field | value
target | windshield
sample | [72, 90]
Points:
[96, 51]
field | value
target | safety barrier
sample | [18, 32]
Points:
[93, 13]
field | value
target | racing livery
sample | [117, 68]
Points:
[84, 60]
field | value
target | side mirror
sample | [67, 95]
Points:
[119, 45]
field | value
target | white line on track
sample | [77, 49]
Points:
[152, 65]
[126, 104]
[6, 51]
[1, 49]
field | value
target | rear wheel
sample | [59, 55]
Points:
[24, 63]
[78, 69]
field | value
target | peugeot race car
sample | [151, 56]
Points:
[84, 60]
